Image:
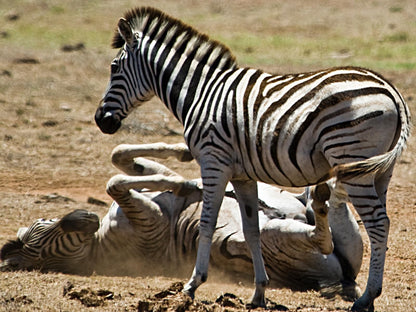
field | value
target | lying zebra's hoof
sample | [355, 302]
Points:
[320, 192]
[186, 156]
[186, 188]
[350, 291]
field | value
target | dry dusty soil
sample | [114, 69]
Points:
[54, 66]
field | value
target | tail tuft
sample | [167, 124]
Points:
[377, 164]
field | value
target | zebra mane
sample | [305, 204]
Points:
[153, 22]
[10, 247]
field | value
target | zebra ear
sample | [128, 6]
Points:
[125, 31]
[21, 232]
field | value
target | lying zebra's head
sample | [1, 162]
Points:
[60, 245]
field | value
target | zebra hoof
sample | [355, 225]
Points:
[186, 156]
[189, 291]
[359, 306]
[259, 298]
[350, 291]
[187, 188]
[320, 192]
[254, 305]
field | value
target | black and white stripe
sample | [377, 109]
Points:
[152, 227]
[54, 245]
[243, 124]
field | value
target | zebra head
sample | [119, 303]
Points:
[129, 81]
[53, 245]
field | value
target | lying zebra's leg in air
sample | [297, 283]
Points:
[123, 155]
[348, 242]
[157, 177]
[246, 192]
[142, 212]
[140, 166]
[321, 235]
[120, 184]
[122, 189]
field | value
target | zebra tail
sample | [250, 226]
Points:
[376, 164]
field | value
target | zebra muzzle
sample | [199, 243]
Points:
[108, 122]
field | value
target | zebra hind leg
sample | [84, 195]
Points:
[126, 158]
[368, 196]
[123, 155]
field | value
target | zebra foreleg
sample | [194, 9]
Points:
[213, 193]
[247, 197]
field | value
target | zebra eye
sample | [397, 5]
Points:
[114, 68]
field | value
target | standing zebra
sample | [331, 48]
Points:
[244, 125]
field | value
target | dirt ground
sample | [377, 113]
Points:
[54, 68]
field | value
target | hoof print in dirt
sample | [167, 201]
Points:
[273, 306]
[172, 299]
[270, 306]
[230, 300]
[88, 297]
[18, 301]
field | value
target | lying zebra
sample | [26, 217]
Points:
[154, 223]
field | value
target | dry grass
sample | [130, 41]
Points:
[49, 142]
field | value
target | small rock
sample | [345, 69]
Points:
[106, 294]
[50, 123]
[4, 34]
[26, 60]
[19, 299]
[54, 197]
[12, 16]
[6, 73]
[73, 47]
[68, 287]
[65, 108]
[95, 201]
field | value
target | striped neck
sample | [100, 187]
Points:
[177, 59]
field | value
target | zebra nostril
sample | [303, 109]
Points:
[99, 113]
[108, 122]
